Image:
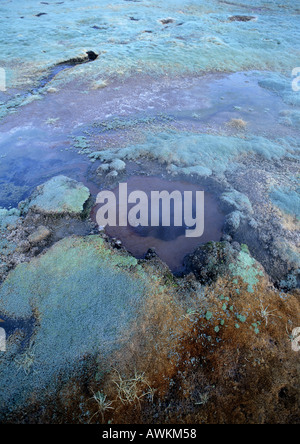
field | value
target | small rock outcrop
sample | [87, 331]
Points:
[59, 196]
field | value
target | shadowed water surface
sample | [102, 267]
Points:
[170, 243]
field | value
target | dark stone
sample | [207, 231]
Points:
[241, 18]
[92, 55]
[151, 253]
[167, 21]
[210, 261]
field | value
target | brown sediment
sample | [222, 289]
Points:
[202, 372]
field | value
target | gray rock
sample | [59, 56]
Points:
[59, 196]
[232, 222]
[210, 261]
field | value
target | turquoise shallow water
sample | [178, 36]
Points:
[130, 36]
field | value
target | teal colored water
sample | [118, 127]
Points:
[153, 36]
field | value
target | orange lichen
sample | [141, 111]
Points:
[226, 359]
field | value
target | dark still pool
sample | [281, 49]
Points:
[194, 215]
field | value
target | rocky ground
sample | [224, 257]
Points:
[96, 335]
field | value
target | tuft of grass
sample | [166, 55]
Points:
[290, 334]
[102, 403]
[238, 124]
[203, 399]
[134, 389]
[26, 360]
[191, 312]
[266, 313]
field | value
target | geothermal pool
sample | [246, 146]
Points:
[170, 242]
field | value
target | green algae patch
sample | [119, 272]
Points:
[84, 297]
[197, 154]
[242, 318]
[247, 269]
[8, 217]
[75, 264]
[256, 329]
[287, 200]
[237, 201]
[208, 316]
[59, 196]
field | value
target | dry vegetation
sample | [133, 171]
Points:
[228, 360]
[238, 124]
[197, 369]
